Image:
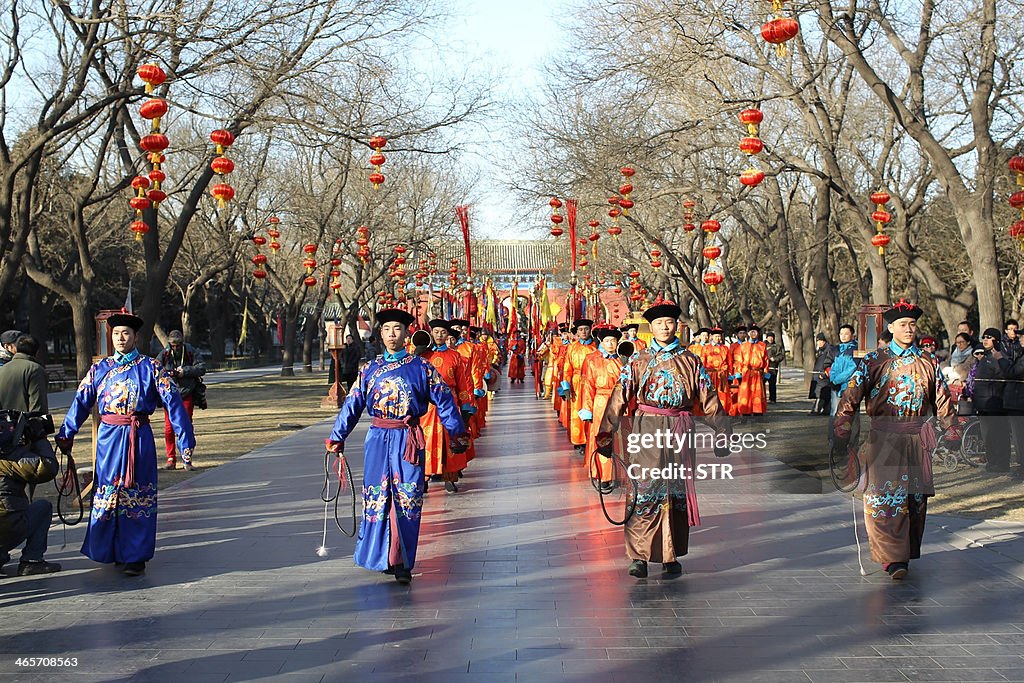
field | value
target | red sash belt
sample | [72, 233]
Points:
[920, 426]
[682, 426]
[132, 421]
[415, 441]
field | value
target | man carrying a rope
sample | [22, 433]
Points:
[901, 389]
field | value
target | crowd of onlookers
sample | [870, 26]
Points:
[985, 376]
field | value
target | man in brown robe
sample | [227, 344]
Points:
[901, 388]
[666, 381]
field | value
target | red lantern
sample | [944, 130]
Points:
[614, 231]
[689, 204]
[881, 241]
[154, 143]
[140, 228]
[378, 160]
[655, 253]
[156, 196]
[274, 220]
[625, 188]
[751, 145]
[614, 213]
[259, 274]
[655, 264]
[153, 109]
[881, 216]
[224, 193]
[712, 252]
[378, 142]
[689, 227]
[259, 240]
[309, 249]
[711, 225]
[259, 259]
[309, 264]
[556, 231]
[157, 176]
[626, 204]
[627, 171]
[752, 177]
[778, 31]
[583, 262]
[377, 179]
[712, 279]
[556, 218]
[595, 237]
[751, 118]
[222, 165]
[310, 281]
[274, 232]
[1017, 230]
[1017, 200]
[140, 182]
[634, 274]
[880, 197]
[274, 246]
[614, 201]
[222, 139]
[555, 203]
[335, 262]
[594, 224]
[152, 75]
[139, 203]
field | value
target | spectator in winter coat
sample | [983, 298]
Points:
[985, 387]
[843, 364]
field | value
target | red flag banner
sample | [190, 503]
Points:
[462, 211]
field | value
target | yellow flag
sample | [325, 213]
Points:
[245, 325]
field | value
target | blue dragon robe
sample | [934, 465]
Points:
[122, 523]
[393, 387]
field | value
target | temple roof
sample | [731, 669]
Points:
[504, 256]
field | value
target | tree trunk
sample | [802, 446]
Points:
[84, 324]
[291, 317]
[218, 320]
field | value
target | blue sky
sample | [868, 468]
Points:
[512, 40]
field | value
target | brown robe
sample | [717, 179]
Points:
[900, 389]
[659, 529]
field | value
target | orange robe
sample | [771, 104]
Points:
[572, 373]
[735, 350]
[751, 364]
[638, 345]
[471, 357]
[600, 375]
[716, 361]
[482, 404]
[438, 457]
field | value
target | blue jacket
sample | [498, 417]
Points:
[844, 364]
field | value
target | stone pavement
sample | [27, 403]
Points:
[520, 579]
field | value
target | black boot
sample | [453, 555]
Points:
[450, 487]
[672, 568]
[134, 569]
[403, 575]
[638, 569]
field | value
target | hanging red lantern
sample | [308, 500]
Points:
[222, 139]
[376, 179]
[556, 218]
[627, 171]
[154, 143]
[309, 264]
[153, 109]
[1017, 230]
[656, 264]
[274, 246]
[273, 232]
[880, 197]
[222, 165]
[140, 182]
[881, 241]
[752, 177]
[224, 193]
[711, 225]
[140, 228]
[378, 142]
[259, 240]
[689, 204]
[626, 205]
[139, 203]
[1017, 200]
[156, 196]
[713, 279]
[634, 274]
[310, 249]
[655, 253]
[378, 160]
[778, 31]
[712, 252]
[274, 220]
[152, 75]
[689, 227]
[259, 274]
[259, 259]
[157, 176]
[594, 237]
[751, 145]
[751, 118]
[881, 216]
[310, 281]
[614, 231]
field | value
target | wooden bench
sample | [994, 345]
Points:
[55, 374]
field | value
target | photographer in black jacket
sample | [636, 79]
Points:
[985, 386]
[26, 457]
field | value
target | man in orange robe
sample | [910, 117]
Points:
[601, 371]
[516, 360]
[716, 362]
[700, 341]
[559, 348]
[735, 350]
[473, 359]
[439, 460]
[572, 369]
[751, 363]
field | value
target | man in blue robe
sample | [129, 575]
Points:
[395, 388]
[125, 388]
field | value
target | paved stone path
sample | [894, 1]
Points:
[520, 579]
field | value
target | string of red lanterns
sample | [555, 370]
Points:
[881, 217]
[377, 159]
[713, 276]
[274, 232]
[625, 203]
[688, 224]
[309, 263]
[751, 145]
[222, 166]
[1016, 199]
[335, 262]
[363, 242]
[556, 218]
[148, 191]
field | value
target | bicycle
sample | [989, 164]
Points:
[960, 444]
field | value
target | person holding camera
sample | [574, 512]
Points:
[23, 379]
[126, 389]
[179, 361]
[25, 460]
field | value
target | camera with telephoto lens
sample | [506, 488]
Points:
[21, 429]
